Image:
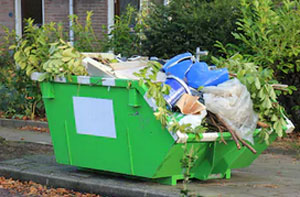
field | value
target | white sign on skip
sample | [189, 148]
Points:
[94, 116]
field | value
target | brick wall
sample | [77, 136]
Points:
[58, 11]
[99, 8]
[7, 15]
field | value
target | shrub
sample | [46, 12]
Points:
[43, 50]
[85, 38]
[184, 25]
[124, 37]
[261, 86]
[19, 95]
[269, 36]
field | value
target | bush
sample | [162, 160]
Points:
[124, 37]
[184, 25]
[19, 95]
[85, 38]
[40, 50]
[269, 37]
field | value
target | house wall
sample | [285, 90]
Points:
[58, 11]
[99, 8]
[7, 14]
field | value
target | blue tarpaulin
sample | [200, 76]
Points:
[194, 73]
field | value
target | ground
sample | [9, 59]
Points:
[275, 173]
[11, 150]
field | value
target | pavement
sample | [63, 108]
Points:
[274, 173]
[12, 134]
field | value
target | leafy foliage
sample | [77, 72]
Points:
[33, 48]
[185, 25]
[124, 37]
[39, 51]
[187, 163]
[36, 51]
[269, 36]
[63, 60]
[157, 90]
[43, 50]
[259, 82]
[19, 95]
[85, 38]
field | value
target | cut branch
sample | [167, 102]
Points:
[247, 145]
[234, 137]
[219, 128]
[280, 86]
[262, 124]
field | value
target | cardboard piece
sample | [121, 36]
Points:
[189, 104]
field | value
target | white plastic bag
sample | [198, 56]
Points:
[194, 120]
[231, 101]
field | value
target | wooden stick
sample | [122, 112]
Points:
[247, 145]
[236, 136]
[262, 124]
[231, 131]
[232, 75]
[279, 86]
[219, 128]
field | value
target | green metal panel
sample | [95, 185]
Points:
[140, 144]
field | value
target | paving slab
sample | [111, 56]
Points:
[12, 134]
[270, 175]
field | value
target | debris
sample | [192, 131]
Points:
[194, 120]
[189, 104]
[290, 126]
[178, 88]
[236, 137]
[199, 94]
[128, 65]
[95, 68]
[220, 128]
[109, 56]
[195, 74]
[199, 75]
[262, 124]
[232, 103]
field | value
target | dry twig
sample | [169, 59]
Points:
[235, 137]
[262, 124]
[219, 128]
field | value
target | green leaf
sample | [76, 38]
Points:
[257, 83]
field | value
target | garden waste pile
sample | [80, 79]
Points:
[197, 92]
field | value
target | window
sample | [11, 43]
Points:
[28, 9]
[121, 5]
[32, 9]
